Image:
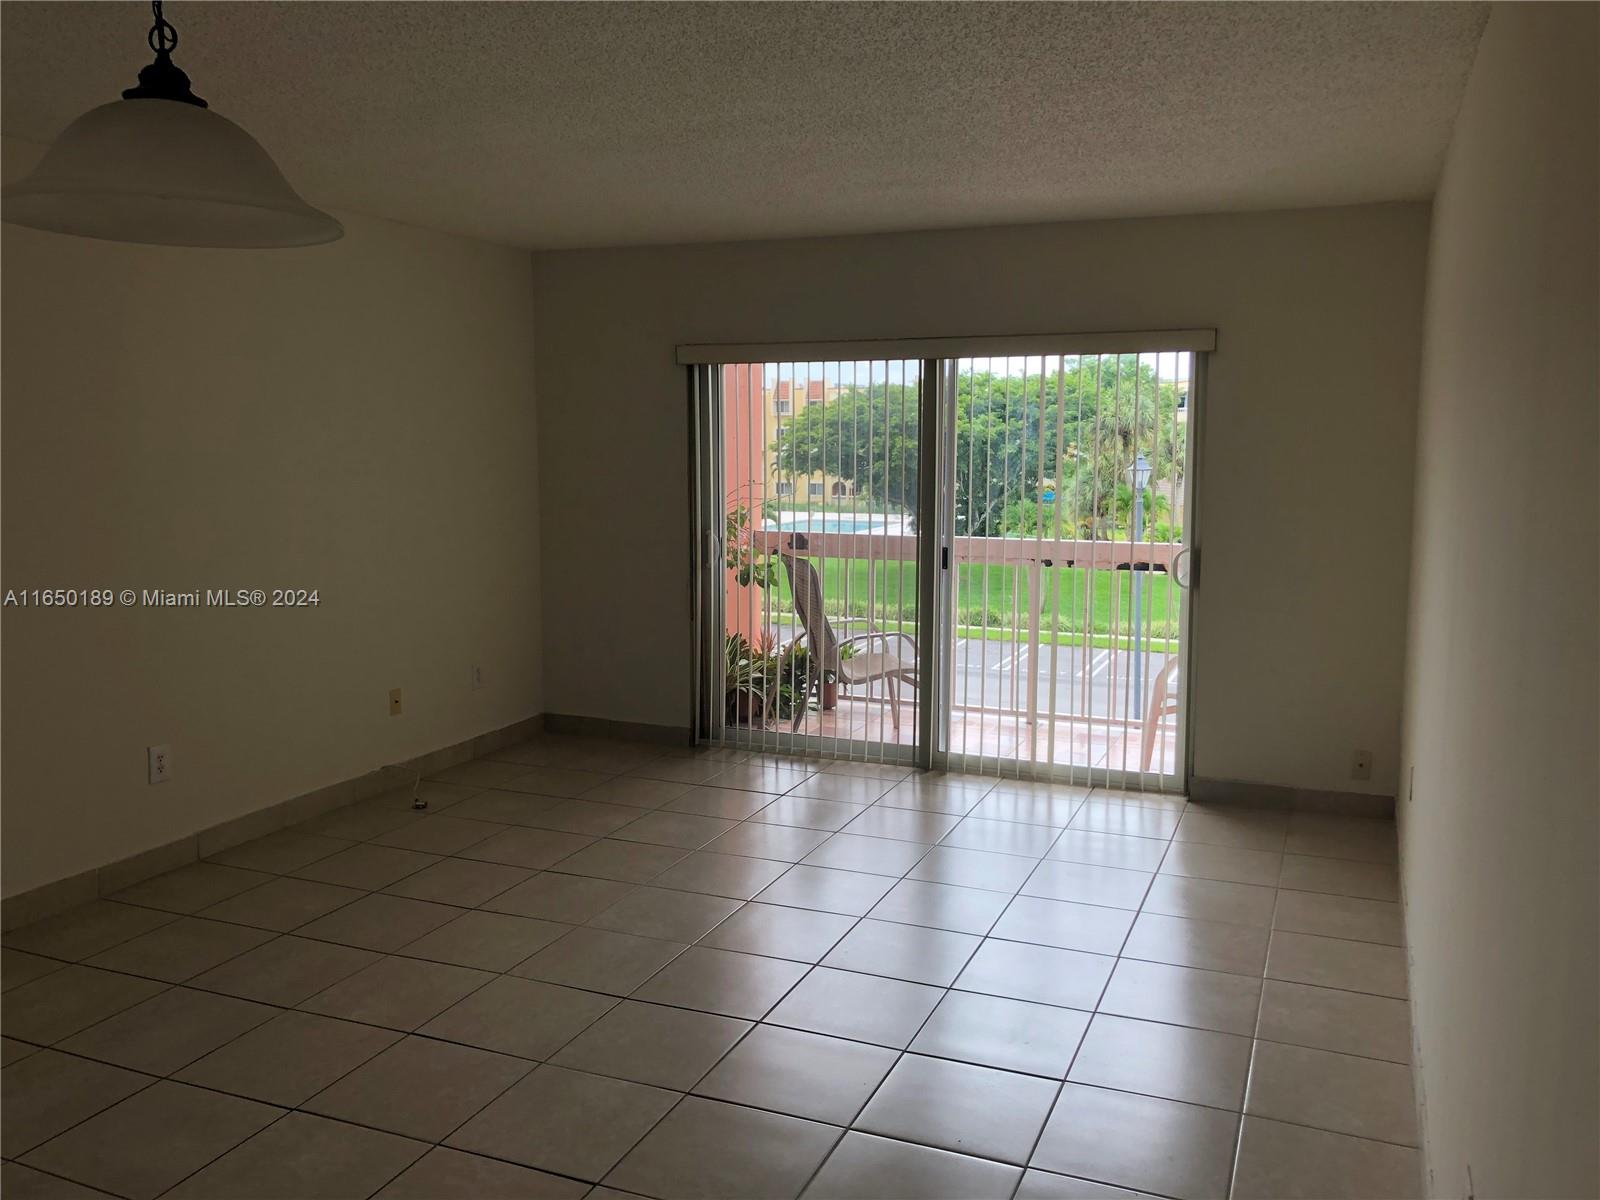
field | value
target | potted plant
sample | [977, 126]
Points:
[741, 687]
[761, 683]
[740, 555]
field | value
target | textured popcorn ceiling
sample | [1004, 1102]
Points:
[592, 124]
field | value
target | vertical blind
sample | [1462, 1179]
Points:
[1059, 491]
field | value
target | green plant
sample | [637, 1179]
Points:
[740, 555]
[762, 683]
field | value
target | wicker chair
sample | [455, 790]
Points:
[862, 668]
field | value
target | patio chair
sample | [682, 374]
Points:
[860, 668]
[1163, 704]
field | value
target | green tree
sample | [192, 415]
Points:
[1029, 449]
[867, 435]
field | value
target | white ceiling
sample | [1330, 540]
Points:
[586, 124]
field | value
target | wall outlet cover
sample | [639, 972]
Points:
[394, 702]
[1361, 764]
[159, 762]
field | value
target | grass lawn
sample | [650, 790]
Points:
[988, 596]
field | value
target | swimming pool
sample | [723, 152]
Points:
[833, 523]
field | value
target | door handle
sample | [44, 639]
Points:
[1182, 571]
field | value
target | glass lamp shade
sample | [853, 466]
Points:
[166, 173]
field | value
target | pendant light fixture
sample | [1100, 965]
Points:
[158, 166]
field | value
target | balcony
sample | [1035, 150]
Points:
[1046, 669]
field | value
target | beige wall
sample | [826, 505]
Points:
[356, 418]
[1308, 451]
[1499, 841]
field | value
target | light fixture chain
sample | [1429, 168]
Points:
[163, 37]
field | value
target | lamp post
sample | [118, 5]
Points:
[1139, 477]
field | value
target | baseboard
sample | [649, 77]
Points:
[51, 898]
[633, 731]
[1271, 795]
[1419, 1076]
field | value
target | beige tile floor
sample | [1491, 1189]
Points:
[600, 969]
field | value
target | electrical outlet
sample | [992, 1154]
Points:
[1361, 764]
[477, 677]
[394, 702]
[159, 760]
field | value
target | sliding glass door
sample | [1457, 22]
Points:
[1066, 500]
[965, 560]
[811, 634]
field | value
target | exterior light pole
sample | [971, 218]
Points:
[1139, 477]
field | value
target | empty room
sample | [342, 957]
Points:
[745, 601]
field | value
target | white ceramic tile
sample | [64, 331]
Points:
[722, 981]
[852, 893]
[866, 1008]
[865, 1167]
[1002, 837]
[1183, 996]
[600, 960]
[973, 868]
[1043, 974]
[651, 1043]
[708, 1148]
[1211, 945]
[1290, 1162]
[903, 824]
[912, 952]
[1196, 1066]
[1085, 884]
[1139, 1142]
[564, 1121]
[1350, 917]
[400, 993]
[1333, 1019]
[419, 1087]
[1332, 836]
[994, 1031]
[1230, 864]
[1109, 850]
[1211, 900]
[779, 931]
[1222, 825]
[960, 1107]
[873, 855]
[799, 1073]
[1341, 877]
[1363, 1097]
[1338, 963]
[1061, 923]
[941, 906]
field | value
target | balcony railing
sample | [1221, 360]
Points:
[1082, 698]
[992, 551]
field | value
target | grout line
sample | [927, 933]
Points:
[154, 1079]
[1088, 1027]
[1012, 895]
[1250, 1067]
